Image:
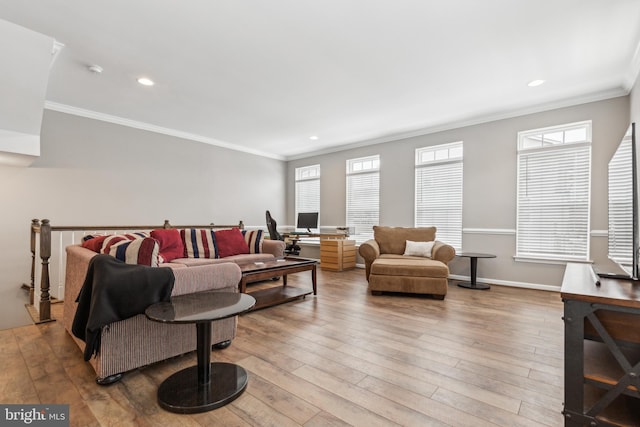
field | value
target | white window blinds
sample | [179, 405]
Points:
[438, 192]
[307, 192]
[363, 196]
[554, 176]
[621, 205]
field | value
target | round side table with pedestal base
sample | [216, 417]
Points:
[207, 385]
[474, 269]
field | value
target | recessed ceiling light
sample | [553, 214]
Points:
[95, 69]
[145, 81]
[535, 83]
[313, 137]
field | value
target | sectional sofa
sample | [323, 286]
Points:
[201, 260]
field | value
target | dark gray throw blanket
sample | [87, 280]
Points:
[112, 291]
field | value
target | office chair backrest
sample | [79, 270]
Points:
[271, 226]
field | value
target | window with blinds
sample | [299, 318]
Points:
[620, 234]
[363, 196]
[554, 178]
[307, 191]
[438, 192]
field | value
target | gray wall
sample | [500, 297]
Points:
[489, 217]
[96, 173]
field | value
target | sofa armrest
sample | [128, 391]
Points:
[443, 252]
[369, 251]
[273, 247]
[221, 277]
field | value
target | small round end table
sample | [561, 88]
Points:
[474, 269]
[208, 385]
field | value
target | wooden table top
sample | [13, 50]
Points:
[579, 283]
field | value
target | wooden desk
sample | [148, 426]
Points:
[602, 349]
[298, 236]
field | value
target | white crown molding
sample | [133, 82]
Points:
[63, 108]
[470, 121]
[68, 109]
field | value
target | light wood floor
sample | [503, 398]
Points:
[344, 357]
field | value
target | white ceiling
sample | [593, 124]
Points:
[262, 76]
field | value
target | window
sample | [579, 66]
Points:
[439, 191]
[363, 196]
[308, 189]
[554, 176]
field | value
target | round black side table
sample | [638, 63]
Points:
[207, 385]
[474, 269]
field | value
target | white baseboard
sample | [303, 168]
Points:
[537, 286]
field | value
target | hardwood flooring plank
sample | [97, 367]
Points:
[325, 419]
[258, 413]
[16, 385]
[317, 396]
[543, 416]
[296, 409]
[430, 407]
[375, 403]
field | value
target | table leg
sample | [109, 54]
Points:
[474, 284]
[313, 279]
[203, 331]
[205, 386]
[474, 270]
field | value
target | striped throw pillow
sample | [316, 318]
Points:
[115, 238]
[199, 243]
[254, 239]
[137, 251]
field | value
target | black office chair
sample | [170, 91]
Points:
[291, 248]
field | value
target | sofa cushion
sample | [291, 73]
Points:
[198, 243]
[421, 249]
[171, 246]
[392, 240]
[136, 251]
[414, 267]
[230, 242]
[254, 239]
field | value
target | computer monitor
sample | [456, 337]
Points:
[307, 220]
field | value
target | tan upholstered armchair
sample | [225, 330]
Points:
[411, 260]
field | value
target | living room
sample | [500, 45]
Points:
[99, 170]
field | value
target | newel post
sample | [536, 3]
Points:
[35, 223]
[45, 254]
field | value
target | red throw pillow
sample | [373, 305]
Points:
[171, 246]
[230, 242]
[94, 243]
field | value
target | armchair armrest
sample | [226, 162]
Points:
[369, 251]
[443, 252]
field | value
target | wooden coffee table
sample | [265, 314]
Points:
[270, 269]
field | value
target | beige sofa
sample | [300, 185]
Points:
[135, 342]
[388, 269]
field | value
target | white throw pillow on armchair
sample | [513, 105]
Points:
[421, 249]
